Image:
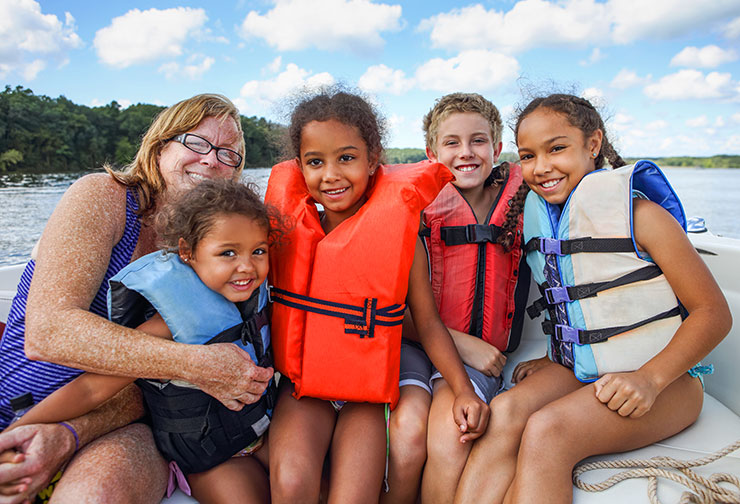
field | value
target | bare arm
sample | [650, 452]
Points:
[73, 256]
[709, 320]
[470, 413]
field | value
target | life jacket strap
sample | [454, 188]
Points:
[578, 245]
[567, 294]
[464, 235]
[562, 332]
[248, 332]
[360, 320]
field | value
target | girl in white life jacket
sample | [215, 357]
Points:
[582, 222]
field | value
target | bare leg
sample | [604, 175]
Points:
[358, 454]
[122, 466]
[300, 434]
[492, 461]
[576, 426]
[446, 454]
[241, 479]
[408, 446]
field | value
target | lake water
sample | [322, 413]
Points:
[26, 202]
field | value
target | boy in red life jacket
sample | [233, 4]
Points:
[473, 244]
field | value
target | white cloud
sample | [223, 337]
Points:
[530, 23]
[657, 125]
[267, 92]
[543, 23]
[732, 29]
[736, 117]
[709, 56]
[697, 122]
[626, 79]
[275, 65]
[324, 24]
[476, 70]
[595, 56]
[144, 36]
[594, 95]
[719, 122]
[383, 79]
[198, 64]
[636, 19]
[688, 84]
[30, 40]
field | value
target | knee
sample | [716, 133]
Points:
[293, 481]
[408, 431]
[507, 414]
[546, 430]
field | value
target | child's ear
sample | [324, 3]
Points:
[184, 250]
[497, 151]
[594, 141]
[431, 156]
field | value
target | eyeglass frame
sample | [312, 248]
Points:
[181, 139]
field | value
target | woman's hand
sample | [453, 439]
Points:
[471, 415]
[229, 374]
[43, 448]
[526, 368]
[629, 394]
[478, 354]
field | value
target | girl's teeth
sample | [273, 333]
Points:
[466, 168]
[549, 183]
[336, 191]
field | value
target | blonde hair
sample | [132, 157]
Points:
[143, 173]
[460, 102]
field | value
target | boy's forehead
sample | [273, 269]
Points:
[457, 122]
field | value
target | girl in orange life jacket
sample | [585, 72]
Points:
[216, 238]
[476, 289]
[550, 420]
[337, 142]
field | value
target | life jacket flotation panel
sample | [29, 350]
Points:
[191, 427]
[609, 309]
[473, 278]
[340, 297]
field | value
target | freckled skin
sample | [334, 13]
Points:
[73, 255]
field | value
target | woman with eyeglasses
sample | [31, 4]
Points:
[58, 323]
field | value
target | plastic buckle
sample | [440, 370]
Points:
[269, 293]
[471, 233]
[550, 246]
[566, 333]
[555, 295]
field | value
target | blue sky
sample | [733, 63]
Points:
[666, 72]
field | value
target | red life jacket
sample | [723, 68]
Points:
[340, 297]
[474, 280]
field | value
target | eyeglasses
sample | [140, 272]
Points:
[202, 146]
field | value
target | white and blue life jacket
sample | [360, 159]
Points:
[609, 307]
[191, 427]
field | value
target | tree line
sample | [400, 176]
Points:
[51, 135]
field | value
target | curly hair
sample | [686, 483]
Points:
[143, 173]
[192, 215]
[348, 108]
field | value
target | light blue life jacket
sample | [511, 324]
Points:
[189, 426]
[609, 308]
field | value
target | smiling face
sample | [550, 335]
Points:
[232, 258]
[464, 144]
[181, 168]
[555, 155]
[336, 166]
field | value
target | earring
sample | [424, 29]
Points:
[594, 154]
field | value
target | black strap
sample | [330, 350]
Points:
[472, 233]
[589, 337]
[360, 320]
[554, 295]
[578, 245]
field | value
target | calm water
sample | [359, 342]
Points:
[27, 201]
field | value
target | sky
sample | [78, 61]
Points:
[666, 73]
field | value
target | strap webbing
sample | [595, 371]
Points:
[578, 245]
[359, 320]
[472, 233]
[567, 294]
[570, 334]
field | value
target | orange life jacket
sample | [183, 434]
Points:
[340, 297]
[473, 278]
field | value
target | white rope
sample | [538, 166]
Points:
[705, 490]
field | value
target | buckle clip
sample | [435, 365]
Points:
[550, 246]
[555, 295]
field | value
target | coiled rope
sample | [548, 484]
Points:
[705, 490]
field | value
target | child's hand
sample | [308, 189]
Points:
[18, 486]
[526, 368]
[471, 415]
[629, 394]
[480, 355]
